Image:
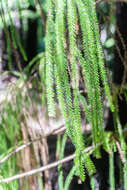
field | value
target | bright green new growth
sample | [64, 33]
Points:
[63, 59]
[67, 50]
[49, 61]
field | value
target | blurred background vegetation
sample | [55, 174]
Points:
[23, 110]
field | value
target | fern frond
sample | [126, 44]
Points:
[72, 21]
[79, 163]
[92, 11]
[91, 66]
[89, 165]
[79, 141]
[81, 159]
[50, 62]
[63, 86]
[65, 63]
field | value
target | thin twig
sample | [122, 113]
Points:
[42, 169]
[120, 152]
[15, 151]
[54, 132]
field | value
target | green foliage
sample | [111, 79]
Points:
[67, 72]
[60, 152]
[49, 61]
[92, 183]
[69, 178]
[125, 174]
[10, 126]
[73, 52]
[111, 171]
